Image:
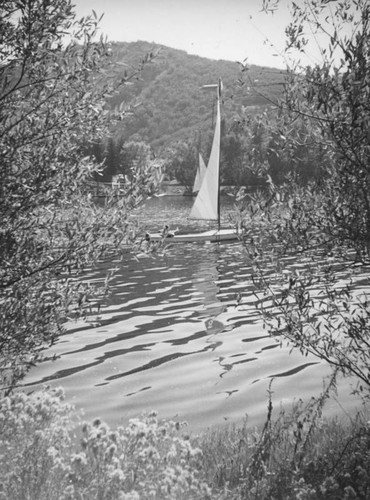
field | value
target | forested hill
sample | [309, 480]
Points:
[171, 104]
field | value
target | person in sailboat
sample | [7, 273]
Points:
[166, 233]
[145, 243]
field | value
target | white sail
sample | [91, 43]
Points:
[206, 202]
[201, 170]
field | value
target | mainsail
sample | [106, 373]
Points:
[201, 170]
[206, 205]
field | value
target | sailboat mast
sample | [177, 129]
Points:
[219, 176]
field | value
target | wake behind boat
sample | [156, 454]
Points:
[207, 203]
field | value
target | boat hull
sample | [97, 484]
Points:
[213, 236]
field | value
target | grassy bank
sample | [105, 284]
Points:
[297, 455]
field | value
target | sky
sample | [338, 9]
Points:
[234, 30]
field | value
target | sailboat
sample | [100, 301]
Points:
[207, 203]
[201, 170]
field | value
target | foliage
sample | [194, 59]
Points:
[132, 155]
[324, 225]
[52, 100]
[319, 316]
[118, 157]
[170, 105]
[182, 162]
[248, 153]
[333, 98]
[244, 152]
[146, 459]
[112, 159]
[298, 454]
[34, 432]
[172, 111]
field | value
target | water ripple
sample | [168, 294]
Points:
[173, 338]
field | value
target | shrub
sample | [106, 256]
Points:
[34, 434]
[148, 459]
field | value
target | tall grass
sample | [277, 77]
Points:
[296, 455]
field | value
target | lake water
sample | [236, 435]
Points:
[172, 338]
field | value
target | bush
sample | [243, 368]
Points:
[53, 102]
[34, 434]
[40, 459]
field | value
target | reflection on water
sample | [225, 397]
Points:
[172, 338]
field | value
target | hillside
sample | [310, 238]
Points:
[171, 105]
